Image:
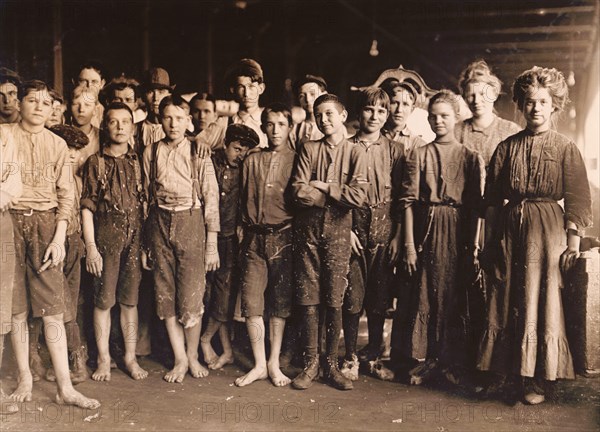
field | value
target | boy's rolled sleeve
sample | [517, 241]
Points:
[411, 181]
[64, 186]
[210, 195]
[89, 195]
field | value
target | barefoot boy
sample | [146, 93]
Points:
[40, 219]
[223, 282]
[112, 214]
[329, 180]
[267, 273]
[181, 233]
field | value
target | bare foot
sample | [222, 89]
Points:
[135, 370]
[73, 397]
[103, 371]
[258, 373]
[223, 360]
[210, 356]
[196, 369]
[277, 377]
[177, 374]
[23, 391]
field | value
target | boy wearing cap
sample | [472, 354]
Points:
[180, 233]
[371, 265]
[246, 85]
[40, 218]
[403, 96]
[307, 90]
[9, 83]
[155, 87]
[266, 258]
[330, 179]
[222, 283]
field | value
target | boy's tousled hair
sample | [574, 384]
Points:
[114, 106]
[9, 76]
[95, 65]
[204, 97]
[445, 96]
[27, 87]
[538, 77]
[329, 98]
[86, 93]
[121, 83]
[372, 96]
[276, 107]
[174, 100]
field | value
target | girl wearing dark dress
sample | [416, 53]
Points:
[535, 241]
[441, 194]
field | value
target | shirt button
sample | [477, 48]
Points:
[225, 177]
[222, 193]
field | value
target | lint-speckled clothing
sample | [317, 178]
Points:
[525, 332]
[442, 185]
[322, 226]
[118, 216]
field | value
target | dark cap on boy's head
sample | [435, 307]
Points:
[74, 137]
[7, 75]
[310, 79]
[157, 78]
[390, 86]
[245, 67]
[242, 133]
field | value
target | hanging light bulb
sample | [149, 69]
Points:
[374, 52]
[571, 79]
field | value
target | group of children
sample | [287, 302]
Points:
[255, 219]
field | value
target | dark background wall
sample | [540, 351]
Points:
[197, 40]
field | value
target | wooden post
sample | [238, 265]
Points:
[210, 29]
[57, 44]
[146, 36]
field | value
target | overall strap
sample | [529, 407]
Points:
[153, 174]
[196, 193]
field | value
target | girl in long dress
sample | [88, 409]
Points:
[441, 194]
[534, 239]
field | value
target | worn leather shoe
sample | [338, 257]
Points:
[310, 373]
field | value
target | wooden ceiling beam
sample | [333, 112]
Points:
[583, 28]
[521, 45]
[508, 58]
